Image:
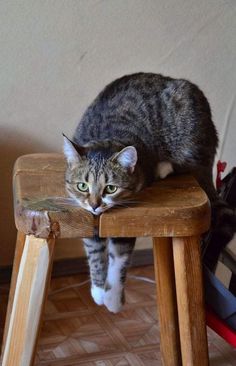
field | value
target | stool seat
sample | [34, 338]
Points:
[42, 206]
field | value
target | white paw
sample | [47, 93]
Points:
[164, 168]
[113, 299]
[97, 294]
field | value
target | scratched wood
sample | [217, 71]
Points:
[175, 206]
[42, 206]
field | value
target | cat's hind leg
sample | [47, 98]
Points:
[97, 259]
[119, 253]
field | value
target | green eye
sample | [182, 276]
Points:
[83, 187]
[110, 189]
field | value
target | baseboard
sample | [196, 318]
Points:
[71, 266]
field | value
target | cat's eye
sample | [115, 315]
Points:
[110, 189]
[83, 187]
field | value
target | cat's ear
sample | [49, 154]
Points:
[72, 151]
[127, 158]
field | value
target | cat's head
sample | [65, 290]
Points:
[98, 177]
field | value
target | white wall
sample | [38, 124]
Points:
[56, 55]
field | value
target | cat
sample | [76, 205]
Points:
[140, 128]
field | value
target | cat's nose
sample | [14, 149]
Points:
[94, 206]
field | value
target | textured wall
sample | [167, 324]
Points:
[56, 55]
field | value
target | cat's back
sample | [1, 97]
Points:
[147, 103]
[134, 85]
[128, 92]
[125, 101]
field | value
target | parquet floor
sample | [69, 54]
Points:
[77, 332]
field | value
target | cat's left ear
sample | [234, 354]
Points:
[72, 151]
[127, 158]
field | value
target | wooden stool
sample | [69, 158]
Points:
[175, 212]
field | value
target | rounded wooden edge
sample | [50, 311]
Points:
[32, 222]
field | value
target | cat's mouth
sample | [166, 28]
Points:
[100, 209]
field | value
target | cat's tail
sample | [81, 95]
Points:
[223, 216]
[222, 231]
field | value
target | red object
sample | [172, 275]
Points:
[220, 169]
[215, 323]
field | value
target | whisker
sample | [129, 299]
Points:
[127, 204]
[118, 205]
[135, 202]
[121, 205]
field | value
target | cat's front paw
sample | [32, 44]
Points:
[98, 294]
[114, 299]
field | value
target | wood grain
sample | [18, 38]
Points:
[191, 307]
[166, 298]
[20, 242]
[28, 302]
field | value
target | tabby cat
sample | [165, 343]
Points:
[141, 127]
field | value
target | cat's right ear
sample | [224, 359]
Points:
[72, 151]
[127, 158]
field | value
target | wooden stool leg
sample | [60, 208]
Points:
[30, 293]
[191, 307]
[167, 306]
[20, 242]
